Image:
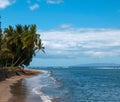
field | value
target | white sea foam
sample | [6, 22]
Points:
[44, 98]
[38, 90]
[48, 75]
[51, 81]
[56, 82]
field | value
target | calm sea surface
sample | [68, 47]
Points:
[74, 85]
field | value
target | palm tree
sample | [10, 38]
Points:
[31, 43]
[22, 43]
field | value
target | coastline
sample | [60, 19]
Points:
[5, 89]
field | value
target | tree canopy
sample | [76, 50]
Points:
[18, 45]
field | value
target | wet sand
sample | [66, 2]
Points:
[5, 86]
[22, 91]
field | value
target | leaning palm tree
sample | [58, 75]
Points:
[23, 42]
[31, 43]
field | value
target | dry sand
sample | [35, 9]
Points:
[5, 93]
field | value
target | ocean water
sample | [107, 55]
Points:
[77, 85]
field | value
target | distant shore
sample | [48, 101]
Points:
[5, 93]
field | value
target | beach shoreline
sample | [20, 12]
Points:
[5, 89]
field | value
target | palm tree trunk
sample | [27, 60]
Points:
[18, 59]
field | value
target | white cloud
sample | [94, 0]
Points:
[5, 3]
[33, 7]
[98, 53]
[66, 26]
[30, 1]
[54, 1]
[78, 42]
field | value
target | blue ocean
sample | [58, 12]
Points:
[79, 85]
[76, 84]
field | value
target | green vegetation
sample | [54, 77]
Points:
[18, 45]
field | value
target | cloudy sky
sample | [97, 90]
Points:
[73, 31]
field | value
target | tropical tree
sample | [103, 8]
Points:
[20, 45]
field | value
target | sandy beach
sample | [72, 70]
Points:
[5, 93]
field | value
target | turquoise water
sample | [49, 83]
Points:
[79, 85]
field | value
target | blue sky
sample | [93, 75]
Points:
[73, 31]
